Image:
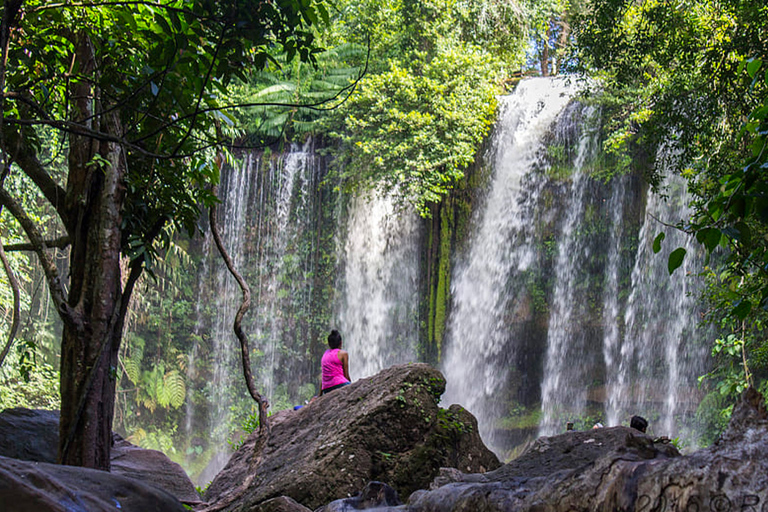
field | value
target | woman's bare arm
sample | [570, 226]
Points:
[344, 358]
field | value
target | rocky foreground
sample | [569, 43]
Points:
[385, 428]
[384, 441]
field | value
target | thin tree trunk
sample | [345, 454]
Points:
[16, 303]
[545, 53]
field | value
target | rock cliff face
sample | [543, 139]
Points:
[387, 427]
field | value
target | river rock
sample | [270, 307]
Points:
[42, 487]
[386, 428]
[620, 469]
[33, 435]
[375, 495]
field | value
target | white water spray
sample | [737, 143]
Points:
[653, 376]
[379, 314]
[564, 386]
[478, 343]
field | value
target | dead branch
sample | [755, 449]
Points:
[241, 336]
[36, 239]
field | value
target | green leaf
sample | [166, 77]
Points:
[742, 309]
[657, 242]
[745, 234]
[709, 237]
[676, 259]
[752, 67]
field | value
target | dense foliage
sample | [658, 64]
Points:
[420, 80]
[138, 92]
[418, 119]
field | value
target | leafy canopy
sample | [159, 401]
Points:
[165, 68]
[417, 120]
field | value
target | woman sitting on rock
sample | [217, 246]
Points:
[335, 365]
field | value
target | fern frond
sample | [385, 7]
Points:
[174, 389]
[132, 369]
[275, 90]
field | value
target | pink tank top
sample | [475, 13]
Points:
[333, 371]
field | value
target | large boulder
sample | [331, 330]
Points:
[152, 467]
[42, 487]
[33, 435]
[388, 427]
[29, 434]
[619, 469]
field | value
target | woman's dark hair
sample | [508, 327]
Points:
[638, 423]
[334, 339]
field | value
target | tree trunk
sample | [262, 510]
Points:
[94, 202]
[545, 52]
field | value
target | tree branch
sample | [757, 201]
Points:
[39, 246]
[56, 243]
[73, 5]
[202, 92]
[241, 336]
[16, 303]
[316, 106]
[26, 159]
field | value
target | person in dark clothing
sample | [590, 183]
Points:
[639, 423]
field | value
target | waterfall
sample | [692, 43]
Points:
[287, 172]
[564, 386]
[236, 189]
[378, 317]
[611, 302]
[490, 280]
[560, 309]
[271, 217]
[659, 357]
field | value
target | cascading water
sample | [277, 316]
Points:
[611, 302]
[490, 282]
[659, 357]
[236, 188]
[289, 171]
[271, 208]
[379, 311]
[564, 386]
[560, 310]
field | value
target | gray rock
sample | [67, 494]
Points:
[620, 469]
[29, 434]
[42, 487]
[375, 495]
[33, 435]
[151, 467]
[387, 428]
